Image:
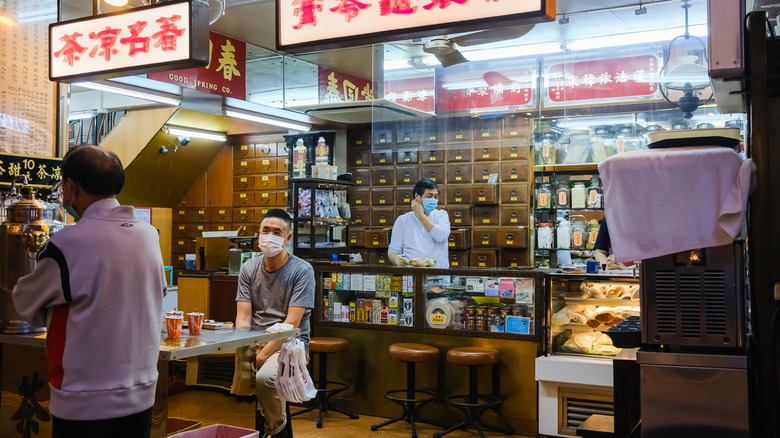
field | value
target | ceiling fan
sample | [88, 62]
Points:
[445, 50]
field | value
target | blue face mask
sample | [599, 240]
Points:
[429, 204]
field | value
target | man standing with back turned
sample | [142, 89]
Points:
[98, 287]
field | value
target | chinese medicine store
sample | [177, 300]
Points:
[510, 127]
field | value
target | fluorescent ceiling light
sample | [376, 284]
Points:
[403, 63]
[635, 38]
[81, 115]
[130, 91]
[513, 51]
[197, 133]
[7, 21]
[116, 2]
[260, 118]
[30, 16]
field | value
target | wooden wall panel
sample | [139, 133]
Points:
[219, 180]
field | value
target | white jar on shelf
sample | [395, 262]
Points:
[578, 195]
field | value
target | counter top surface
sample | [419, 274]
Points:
[208, 341]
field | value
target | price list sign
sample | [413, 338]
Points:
[27, 97]
[40, 172]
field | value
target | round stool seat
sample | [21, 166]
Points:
[409, 352]
[328, 345]
[473, 356]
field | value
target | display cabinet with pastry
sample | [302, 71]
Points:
[584, 307]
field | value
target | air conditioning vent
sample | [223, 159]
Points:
[715, 303]
[666, 300]
[575, 405]
[690, 306]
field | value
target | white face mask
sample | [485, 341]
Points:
[270, 244]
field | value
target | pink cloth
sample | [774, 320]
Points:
[663, 201]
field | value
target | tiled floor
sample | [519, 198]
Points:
[210, 407]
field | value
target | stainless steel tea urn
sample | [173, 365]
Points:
[22, 236]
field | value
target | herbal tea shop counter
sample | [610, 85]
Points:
[26, 385]
[374, 306]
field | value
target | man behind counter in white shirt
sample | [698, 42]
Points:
[422, 232]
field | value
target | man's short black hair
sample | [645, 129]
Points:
[281, 214]
[96, 170]
[423, 185]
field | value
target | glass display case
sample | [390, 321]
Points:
[584, 307]
[480, 303]
[320, 217]
[367, 299]
[495, 303]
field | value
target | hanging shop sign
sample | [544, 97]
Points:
[224, 75]
[418, 93]
[40, 172]
[305, 25]
[627, 79]
[336, 86]
[482, 86]
[148, 39]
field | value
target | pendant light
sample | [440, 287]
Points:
[688, 75]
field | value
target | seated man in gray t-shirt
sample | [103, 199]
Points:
[277, 287]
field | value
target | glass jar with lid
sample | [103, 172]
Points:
[562, 196]
[544, 235]
[593, 233]
[579, 232]
[649, 129]
[595, 194]
[627, 139]
[544, 196]
[602, 143]
[546, 148]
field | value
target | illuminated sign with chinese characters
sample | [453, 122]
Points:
[40, 172]
[313, 24]
[602, 80]
[336, 86]
[142, 40]
[224, 75]
[483, 85]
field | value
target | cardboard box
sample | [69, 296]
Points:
[218, 431]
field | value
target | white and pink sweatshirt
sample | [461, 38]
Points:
[98, 288]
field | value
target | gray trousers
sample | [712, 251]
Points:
[271, 407]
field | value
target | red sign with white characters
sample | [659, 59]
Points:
[308, 24]
[225, 74]
[602, 79]
[417, 93]
[335, 86]
[493, 86]
[140, 40]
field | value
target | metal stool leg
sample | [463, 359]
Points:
[410, 404]
[322, 399]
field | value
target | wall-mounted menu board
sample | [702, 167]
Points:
[27, 97]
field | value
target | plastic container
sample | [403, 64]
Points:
[627, 139]
[218, 431]
[546, 148]
[173, 325]
[595, 194]
[579, 195]
[602, 143]
[563, 196]
[544, 196]
[194, 322]
[579, 232]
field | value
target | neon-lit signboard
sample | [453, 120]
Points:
[305, 25]
[142, 40]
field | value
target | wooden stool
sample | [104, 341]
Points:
[411, 354]
[322, 347]
[473, 404]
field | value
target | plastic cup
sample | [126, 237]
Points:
[194, 322]
[173, 324]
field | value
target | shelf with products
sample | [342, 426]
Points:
[463, 302]
[568, 201]
[320, 217]
[583, 307]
